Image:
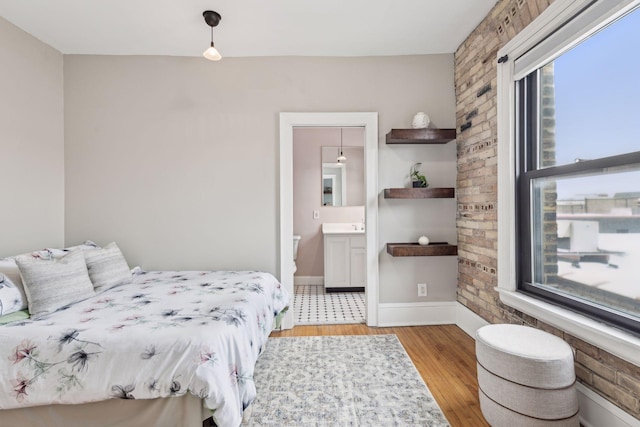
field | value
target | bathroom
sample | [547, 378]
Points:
[328, 205]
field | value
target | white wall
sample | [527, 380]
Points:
[177, 158]
[31, 143]
[404, 220]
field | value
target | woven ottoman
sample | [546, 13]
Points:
[526, 377]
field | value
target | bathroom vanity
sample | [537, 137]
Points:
[344, 257]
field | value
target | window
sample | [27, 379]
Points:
[577, 167]
[564, 26]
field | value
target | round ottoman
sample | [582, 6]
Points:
[525, 377]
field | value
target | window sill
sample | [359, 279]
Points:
[610, 339]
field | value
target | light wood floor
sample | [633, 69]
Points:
[444, 356]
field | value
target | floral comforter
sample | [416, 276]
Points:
[165, 334]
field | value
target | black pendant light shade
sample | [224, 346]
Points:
[211, 18]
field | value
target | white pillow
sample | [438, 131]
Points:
[11, 299]
[107, 267]
[48, 253]
[9, 270]
[51, 284]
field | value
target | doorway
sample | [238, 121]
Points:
[368, 121]
[328, 188]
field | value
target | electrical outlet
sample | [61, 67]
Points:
[316, 214]
[422, 289]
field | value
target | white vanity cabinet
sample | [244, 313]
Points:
[344, 260]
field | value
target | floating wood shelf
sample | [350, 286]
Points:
[419, 193]
[414, 249]
[420, 136]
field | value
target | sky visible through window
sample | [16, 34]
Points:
[598, 105]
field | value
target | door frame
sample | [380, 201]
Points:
[368, 120]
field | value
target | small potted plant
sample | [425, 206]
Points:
[418, 180]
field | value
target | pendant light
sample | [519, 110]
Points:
[212, 19]
[341, 157]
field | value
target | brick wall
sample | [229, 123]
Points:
[475, 79]
[549, 196]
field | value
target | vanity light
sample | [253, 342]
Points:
[341, 157]
[212, 19]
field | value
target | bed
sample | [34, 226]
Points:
[179, 344]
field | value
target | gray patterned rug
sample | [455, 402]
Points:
[340, 381]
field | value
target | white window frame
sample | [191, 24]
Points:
[545, 27]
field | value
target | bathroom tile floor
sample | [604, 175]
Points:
[313, 306]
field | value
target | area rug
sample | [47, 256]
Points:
[340, 381]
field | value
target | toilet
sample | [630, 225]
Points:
[296, 242]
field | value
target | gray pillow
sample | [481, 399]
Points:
[107, 267]
[51, 284]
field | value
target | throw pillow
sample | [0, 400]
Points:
[9, 269]
[10, 296]
[107, 267]
[51, 284]
[48, 253]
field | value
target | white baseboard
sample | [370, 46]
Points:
[417, 313]
[468, 321]
[595, 410]
[308, 280]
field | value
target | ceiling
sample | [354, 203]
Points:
[249, 27]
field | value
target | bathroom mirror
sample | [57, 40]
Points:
[342, 182]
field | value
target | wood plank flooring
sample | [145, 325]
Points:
[444, 356]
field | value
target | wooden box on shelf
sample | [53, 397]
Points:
[415, 249]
